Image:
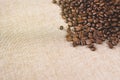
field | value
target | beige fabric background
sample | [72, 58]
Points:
[33, 48]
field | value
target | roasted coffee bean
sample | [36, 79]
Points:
[90, 35]
[74, 44]
[93, 48]
[98, 41]
[69, 38]
[83, 42]
[88, 41]
[90, 45]
[91, 21]
[78, 28]
[110, 45]
[114, 19]
[61, 27]
[75, 39]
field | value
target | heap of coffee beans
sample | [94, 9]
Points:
[91, 21]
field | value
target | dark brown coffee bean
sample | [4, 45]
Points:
[90, 35]
[88, 41]
[98, 41]
[61, 27]
[90, 45]
[114, 24]
[84, 14]
[114, 19]
[90, 20]
[75, 39]
[102, 4]
[96, 1]
[89, 24]
[78, 28]
[74, 44]
[69, 38]
[93, 48]
[83, 42]
[119, 24]
[110, 45]
[80, 20]
[84, 18]
[70, 23]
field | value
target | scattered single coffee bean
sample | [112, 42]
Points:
[93, 48]
[61, 27]
[91, 21]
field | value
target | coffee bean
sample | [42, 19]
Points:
[69, 38]
[115, 19]
[83, 42]
[93, 48]
[110, 45]
[90, 45]
[61, 28]
[70, 23]
[90, 35]
[98, 41]
[90, 20]
[78, 28]
[80, 20]
[88, 41]
[75, 39]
